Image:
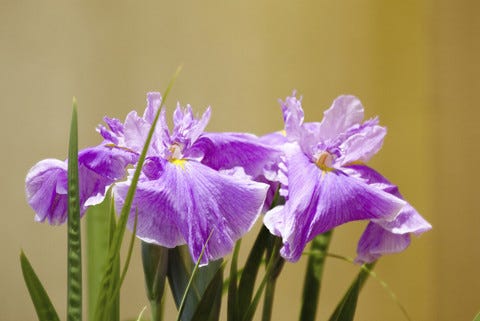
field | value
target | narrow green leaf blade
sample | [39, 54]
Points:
[274, 266]
[345, 310]
[41, 301]
[155, 265]
[233, 311]
[477, 318]
[250, 271]
[313, 276]
[180, 267]
[108, 287]
[114, 307]
[208, 309]
[190, 281]
[74, 254]
[115, 295]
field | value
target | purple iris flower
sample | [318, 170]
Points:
[98, 168]
[193, 184]
[325, 182]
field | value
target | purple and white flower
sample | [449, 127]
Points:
[323, 185]
[98, 168]
[193, 183]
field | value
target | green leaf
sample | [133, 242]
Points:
[180, 267]
[345, 310]
[41, 301]
[208, 309]
[74, 254]
[313, 276]
[98, 219]
[372, 274]
[274, 254]
[190, 281]
[477, 318]
[155, 265]
[274, 267]
[108, 286]
[250, 271]
[141, 313]
[119, 278]
[233, 311]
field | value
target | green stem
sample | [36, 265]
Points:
[268, 300]
[273, 254]
[157, 309]
[313, 276]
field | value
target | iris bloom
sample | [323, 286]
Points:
[326, 183]
[98, 168]
[193, 184]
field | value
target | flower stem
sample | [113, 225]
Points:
[157, 309]
[268, 300]
[313, 276]
[273, 253]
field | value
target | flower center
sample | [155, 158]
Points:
[324, 160]
[175, 152]
[176, 156]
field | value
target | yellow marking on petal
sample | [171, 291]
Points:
[178, 162]
[283, 132]
[325, 170]
[324, 162]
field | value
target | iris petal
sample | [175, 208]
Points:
[321, 200]
[46, 189]
[376, 241]
[188, 202]
[227, 150]
[362, 142]
[98, 167]
[345, 112]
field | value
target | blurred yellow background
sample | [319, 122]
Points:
[415, 63]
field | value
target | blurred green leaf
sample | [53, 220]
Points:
[141, 313]
[74, 254]
[114, 302]
[274, 266]
[155, 265]
[190, 284]
[107, 285]
[250, 271]
[233, 310]
[375, 277]
[345, 310]
[100, 224]
[208, 309]
[41, 301]
[180, 267]
[477, 318]
[273, 253]
[313, 276]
